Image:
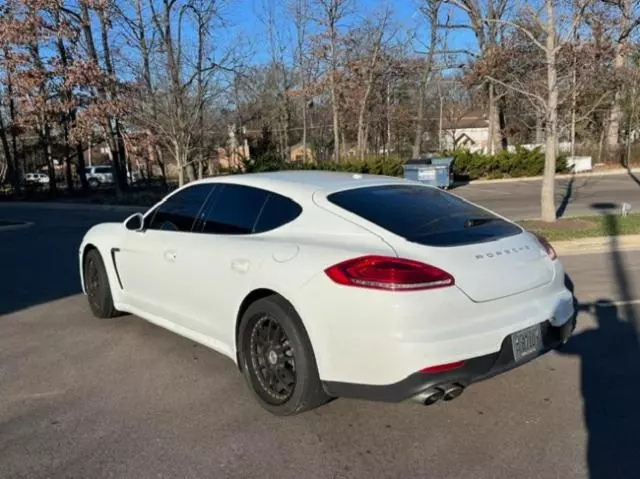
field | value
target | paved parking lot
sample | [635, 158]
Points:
[85, 398]
[521, 199]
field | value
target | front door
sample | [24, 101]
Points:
[146, 260]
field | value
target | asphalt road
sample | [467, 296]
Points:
[84, 398]
[520, 200]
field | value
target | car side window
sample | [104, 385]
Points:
[235, 210]
[180, 211]
[277, 212]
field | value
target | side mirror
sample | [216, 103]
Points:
[135, 222]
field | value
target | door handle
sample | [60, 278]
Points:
[170, 255]
[240, 265]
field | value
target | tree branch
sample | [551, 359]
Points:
[535, 96]
[524, 30]
[594, 107]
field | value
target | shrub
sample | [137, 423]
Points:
[504, 164]
[467, 165]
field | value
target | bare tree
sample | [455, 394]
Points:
[547, 33]
[627, 18]
[486, 19]
[331, 13]
[431, 11]
[300, 13]
[376, 35]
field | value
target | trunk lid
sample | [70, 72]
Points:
[489, 256]
[490, 270]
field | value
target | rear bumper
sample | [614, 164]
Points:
[474, 370]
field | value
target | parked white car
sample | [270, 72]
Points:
[321, 285]
[38, 178]
[99, 175]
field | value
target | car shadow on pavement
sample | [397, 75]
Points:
[610, 378]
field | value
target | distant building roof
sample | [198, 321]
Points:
[471, 119]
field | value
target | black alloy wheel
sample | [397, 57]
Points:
[277, 358]
[273, 360]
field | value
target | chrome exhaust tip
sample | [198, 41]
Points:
[428, 397]
[452, 391]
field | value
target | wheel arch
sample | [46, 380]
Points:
[85, 251]
[256, 295]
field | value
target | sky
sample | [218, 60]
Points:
[245, 15]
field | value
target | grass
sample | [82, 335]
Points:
[585, 227]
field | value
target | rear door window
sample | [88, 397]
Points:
[424, 215]
[234, 210]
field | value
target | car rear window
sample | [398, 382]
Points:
[424, 215]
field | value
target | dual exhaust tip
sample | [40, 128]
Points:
[447, 392]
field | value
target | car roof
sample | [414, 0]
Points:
[305, 183]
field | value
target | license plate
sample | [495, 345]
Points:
[526, 342]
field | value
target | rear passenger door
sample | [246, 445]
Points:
[231, 228]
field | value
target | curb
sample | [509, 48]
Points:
[620, 171]
[75, 206]
[601, 244]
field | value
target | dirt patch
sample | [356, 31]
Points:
[561, 224]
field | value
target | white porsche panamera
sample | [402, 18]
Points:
[322, 285]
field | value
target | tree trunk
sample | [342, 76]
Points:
[120, 156]
[495, 135]
[80, 167]
[191, 169]
[7, 151]
[334, 96]
[67, 155]
[46, 149]
[15, 177]
[539, 128]
[547, 199]
[336, 123]
[615, 116]
[388, 140]
[630, 123]
[161, 165]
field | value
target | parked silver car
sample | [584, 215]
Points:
[99, 175]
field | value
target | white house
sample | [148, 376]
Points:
[471, 132]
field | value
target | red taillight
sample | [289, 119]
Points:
[394, 274]
[547, 246]
[441, 368]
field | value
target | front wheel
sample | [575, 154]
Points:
[277, 358]
[96, 285]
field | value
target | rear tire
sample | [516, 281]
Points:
[277, 358]
[96, 285]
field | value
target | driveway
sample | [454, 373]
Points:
[520, 200]
[84, 398]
